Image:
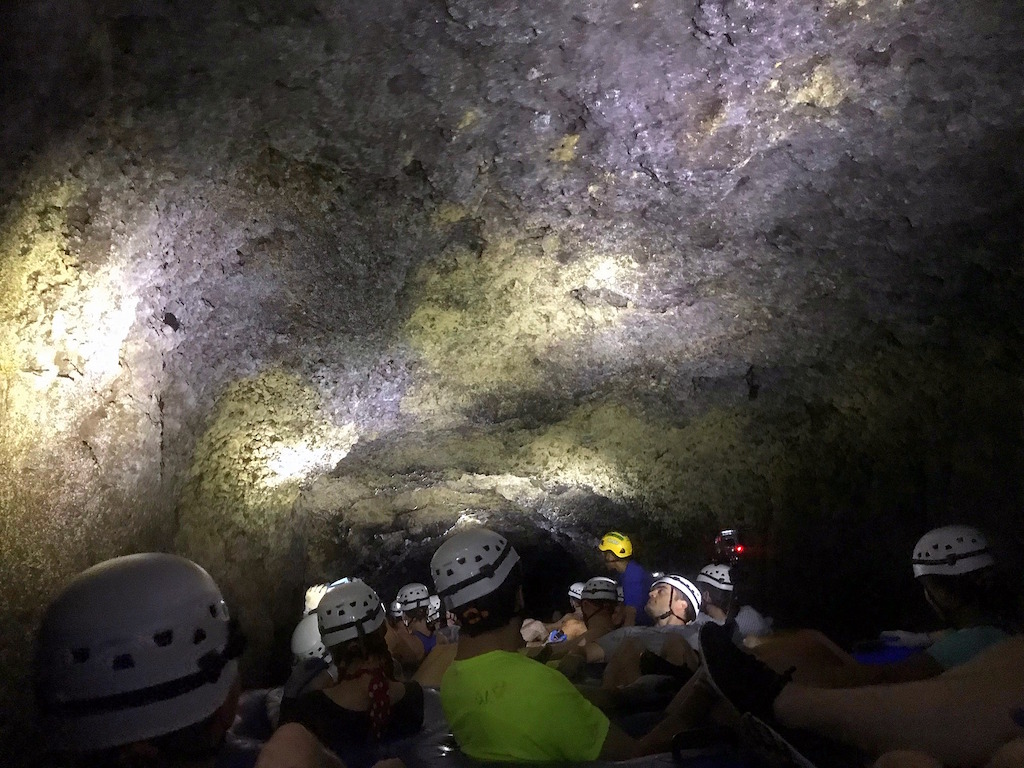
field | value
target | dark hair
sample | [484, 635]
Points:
[417, 614]
[602, 605]
[721, 598]
[495, 609]
[371, 646]
[981, 590]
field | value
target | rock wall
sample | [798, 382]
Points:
[293, 288]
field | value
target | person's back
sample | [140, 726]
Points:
[366, 706]
[500, 704]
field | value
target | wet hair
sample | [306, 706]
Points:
[371, 646]
[982, 590]
[495, 609]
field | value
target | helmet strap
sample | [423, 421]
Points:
[670, 612]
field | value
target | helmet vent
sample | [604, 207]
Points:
[451, 572]
[124, 661]
[79, 655]
[460, 560]
[487, 547]
[478, 558]
[165, 638]
[213, 611]
[199, 636]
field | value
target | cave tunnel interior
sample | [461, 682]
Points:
[293, 288]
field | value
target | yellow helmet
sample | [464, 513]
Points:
[617, 543]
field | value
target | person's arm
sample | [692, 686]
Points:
[292, 746]
[593, 653]
[920, 666]
[403, 645]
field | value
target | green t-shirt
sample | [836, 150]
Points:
[507, 707]
[961, 646]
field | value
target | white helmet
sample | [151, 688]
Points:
[434, 608]
[576, 590]
[413, 595]
[601, 588]
[471, 564]
[687, 587]
[394, 609]
[951, 551]
[717, 576]
[306, 640]
[133, 648]
[348, 611]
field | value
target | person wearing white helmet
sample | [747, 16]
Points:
[136, 664]
[366, 706]
[501, 705]
[673, 605]
[567, 627]
[718, 603]
[955, 567]
[602, 611]
[412, 638]
[601, 607]
[415, 600]
[312, 665]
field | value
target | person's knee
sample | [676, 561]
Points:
[904, 758]
[1010, 755]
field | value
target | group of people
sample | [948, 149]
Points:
[137, 665]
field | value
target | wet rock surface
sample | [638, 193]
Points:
[293, 288]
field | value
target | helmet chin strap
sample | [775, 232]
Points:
[670, 612]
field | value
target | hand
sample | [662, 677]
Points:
[313, 596]
[905, 639]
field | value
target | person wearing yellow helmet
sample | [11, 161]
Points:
[631, 576]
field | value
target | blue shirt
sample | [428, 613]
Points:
[961, 646]
[428, 641]
[636, 587]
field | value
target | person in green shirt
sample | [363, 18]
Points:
[501, 705]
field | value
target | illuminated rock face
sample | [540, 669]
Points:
[293, 288]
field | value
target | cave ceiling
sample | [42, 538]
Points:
[293, 287]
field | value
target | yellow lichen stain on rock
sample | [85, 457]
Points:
[265, 437]
[448, 214]
[676, 472]
[486, 323]
[822, 89]
[33, 261]
[469, 118]
[62, 328]
[565, 152]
